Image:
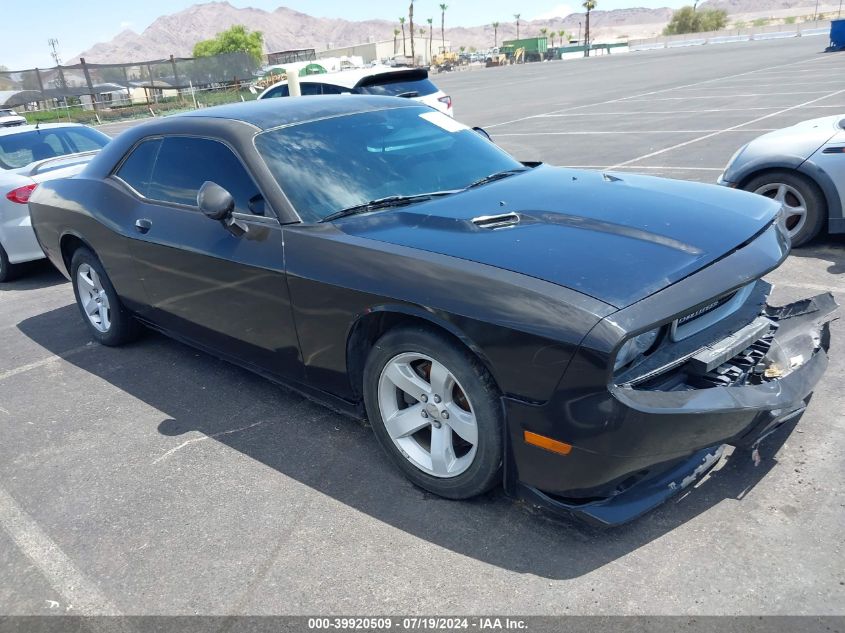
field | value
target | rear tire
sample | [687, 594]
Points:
[804, 202]
[436, 412]
[7, 271]
[108, 321]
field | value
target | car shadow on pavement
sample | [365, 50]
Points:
[830, 248]
[35, 275]
[339, 457]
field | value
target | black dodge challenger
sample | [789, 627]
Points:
[589, 340]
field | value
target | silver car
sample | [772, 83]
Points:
[803, 167]
[29, 155]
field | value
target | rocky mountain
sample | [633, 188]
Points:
[284, 28]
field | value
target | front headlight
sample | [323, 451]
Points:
[634, 347]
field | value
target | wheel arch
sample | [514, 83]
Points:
[69, 243]
[832, 194]
[815, 175]
[371, 325]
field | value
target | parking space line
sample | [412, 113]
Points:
[589, 133]
[733, 127]
[82, 595]
[646, 94]
[728, 96]
[193, 440]
[646, 167]
[638, 113]
[44, 361]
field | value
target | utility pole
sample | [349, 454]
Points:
[53, 43]
[816, 13]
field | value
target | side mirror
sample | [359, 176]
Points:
[214, 201]
[482, 132]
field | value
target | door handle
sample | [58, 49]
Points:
[143, 225]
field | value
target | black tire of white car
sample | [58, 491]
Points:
[123, 328]
[484, 471]
[816, 205]
[7, 270]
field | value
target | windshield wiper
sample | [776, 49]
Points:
[389, 202]
[496, 176]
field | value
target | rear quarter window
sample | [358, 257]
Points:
[136, 171]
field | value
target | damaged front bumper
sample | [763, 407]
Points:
[670, 428]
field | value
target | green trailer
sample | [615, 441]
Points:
[535, 48]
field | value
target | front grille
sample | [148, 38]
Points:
[708, 308]
[705, 316]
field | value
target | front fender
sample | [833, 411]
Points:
[525, 330]
[740, 171]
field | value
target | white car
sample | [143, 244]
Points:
[379, 80]
[29, 155]
[10, 118]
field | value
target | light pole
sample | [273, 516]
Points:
[579, 32]
[816, 14]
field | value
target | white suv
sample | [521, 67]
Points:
[29, 155]
[379, 80]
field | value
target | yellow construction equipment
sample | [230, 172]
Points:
[445, 61]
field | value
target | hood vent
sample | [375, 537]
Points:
[496, 221]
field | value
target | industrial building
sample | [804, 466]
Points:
[388, 49]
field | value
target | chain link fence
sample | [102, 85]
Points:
[97, 93]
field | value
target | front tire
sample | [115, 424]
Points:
[803, 202]
[108, 321]
[436, 412]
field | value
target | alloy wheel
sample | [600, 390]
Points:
[427, 414]
[792, 201]
[93, 297]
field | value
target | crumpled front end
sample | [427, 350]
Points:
[666, 420]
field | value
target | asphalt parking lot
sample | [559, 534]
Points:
[155, 479]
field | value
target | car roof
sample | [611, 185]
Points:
[17, 129]
[350, 78]
[265, 114]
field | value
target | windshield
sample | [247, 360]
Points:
[328, 165]
[22, 148]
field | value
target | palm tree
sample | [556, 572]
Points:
[495, 26]
[443, 8]
[544, 32]
[430, 35]
[516, 15]
[411, 20]
[562, 35]
[589, 5]
[402, 23]
[553, 38]
[395, 35]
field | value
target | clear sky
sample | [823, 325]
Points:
[79, 25]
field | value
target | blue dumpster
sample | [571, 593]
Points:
[837, 35]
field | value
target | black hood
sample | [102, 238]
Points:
[618, 238]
